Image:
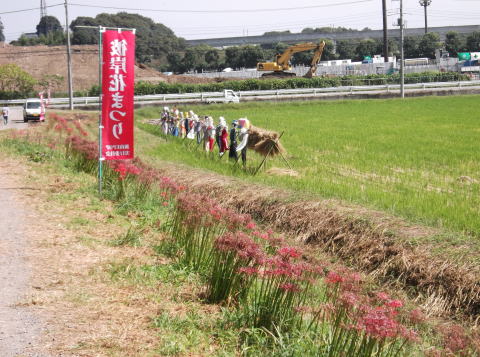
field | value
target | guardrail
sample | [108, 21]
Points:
[260, 94]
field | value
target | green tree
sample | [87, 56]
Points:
[48, 24]
[327, 30]
[250, 56]
[410, 47]
[212, 58]
[473, 42]
[154, 41]
[366, 47]
[454, 43]
[232, 57]
[272, 33]
[2, 36]
[175, 62]
[428, 44]
[329, 51]
[346, 49]
[81, 36]
[393, 47]
[15, 79]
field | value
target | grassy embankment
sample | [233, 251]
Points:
[416, 158]
[121, 242]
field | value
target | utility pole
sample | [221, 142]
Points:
[385, 31]
[402, 55]
[425, 3]
[43, 8]
[69, 59]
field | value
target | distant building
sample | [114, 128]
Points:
[30, 35]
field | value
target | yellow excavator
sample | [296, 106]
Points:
[281, 65]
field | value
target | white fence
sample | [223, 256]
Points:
[266, 94]
[445, 64]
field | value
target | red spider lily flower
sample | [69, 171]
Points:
[333, 278]
[289, 252]
[394, 303]
[242, 245]
[455, 338]
[165, 204]
[250, 225]
[378, 324]
[416, 316]
[349, 299]
[383, 296]
[408, 334]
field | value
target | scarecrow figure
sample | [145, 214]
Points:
[183, 128]
[223, 136]
[243, 125]
[232, 154]
[199, 130]
[209, 134]
[191, 125]
[164, 120]
[218, 129]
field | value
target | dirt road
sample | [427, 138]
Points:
[15, 120]
[19, 327]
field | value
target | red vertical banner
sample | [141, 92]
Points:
[118, 79]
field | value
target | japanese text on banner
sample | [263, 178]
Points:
[118, 91]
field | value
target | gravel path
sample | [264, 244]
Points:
[15, 120]
[18, 325]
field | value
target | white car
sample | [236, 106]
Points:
[32, 109]
[229, 96]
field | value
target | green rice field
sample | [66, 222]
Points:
[416, 158]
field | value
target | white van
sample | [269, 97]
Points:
[32, 109]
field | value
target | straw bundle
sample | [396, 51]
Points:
[264, 142]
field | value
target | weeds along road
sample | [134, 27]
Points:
[18, 325]
[15, 120]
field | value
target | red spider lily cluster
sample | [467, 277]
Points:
[80, 128]
[61, 124]
[267, 280]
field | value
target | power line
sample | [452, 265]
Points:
[225, 10]
[286, 23]
[30, 9]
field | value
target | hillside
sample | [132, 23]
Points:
[52, 60]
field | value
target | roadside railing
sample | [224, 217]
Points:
[259, 94]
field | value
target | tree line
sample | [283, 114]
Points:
[203, 57]
[159, 47]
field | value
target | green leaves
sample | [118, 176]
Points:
[15, 79]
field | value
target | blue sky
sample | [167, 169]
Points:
[213, 18]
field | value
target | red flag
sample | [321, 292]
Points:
[118, 89]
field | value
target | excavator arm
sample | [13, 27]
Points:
[316, 58]
[282, 61]
[284, 58]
